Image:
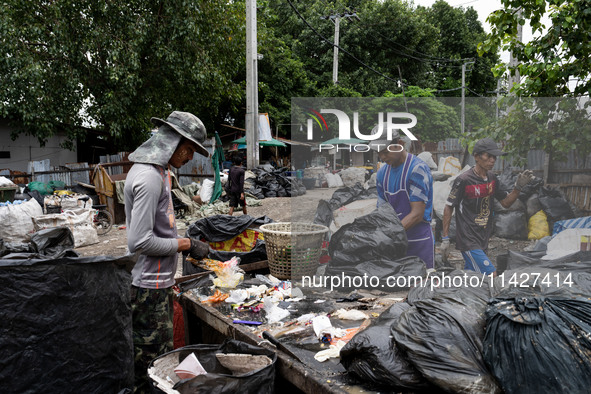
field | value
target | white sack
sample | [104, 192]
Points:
[17, 222]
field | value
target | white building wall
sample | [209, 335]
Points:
[26, 148]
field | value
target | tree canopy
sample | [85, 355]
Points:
[557, 58]
[111, 66]
[556, 55]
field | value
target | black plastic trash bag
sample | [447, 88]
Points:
[218, 228]
[537, 337]
[508, 178]
[372, 356]
[511, 225]
[517, 260]
[347, 195]
[576, 262]
[442, 334]
[532, 205]
[531, 188]
[378, 235]
[432, 284]
[387, 275]
[10, 248]
[66, 325]
[555, 205]
[324, 215]
[220, 379]
[257, 253]
[518, 205]
[55, 242]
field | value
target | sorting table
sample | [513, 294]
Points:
[206, 323]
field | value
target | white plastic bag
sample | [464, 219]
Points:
[427, 157]
[206, 190]
[352, 175]
[331, 181]
[440, 193]
[274, 313]
[351, 314]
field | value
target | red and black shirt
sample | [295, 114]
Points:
[472, 196]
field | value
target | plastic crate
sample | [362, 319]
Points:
[7, 193]
[293, 249]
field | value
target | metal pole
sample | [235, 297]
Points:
[464, 94]
[513, 62]
[252, 110]
[335, 62]
[498, 96]
[463, 97]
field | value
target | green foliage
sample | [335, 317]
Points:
[440, 118]
[460, 32]
[547, 64]
[555, 126]
[558, 53]
[110, 66]
[113, 65]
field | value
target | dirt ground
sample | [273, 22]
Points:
[280, 209]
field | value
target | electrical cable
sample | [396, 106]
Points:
[342, 49]
[435, 58]
[357, 59]
[479, 95]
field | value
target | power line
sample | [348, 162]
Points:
[479, 95]
[447, 90]
[435, 58]
[357, 59]
[342, 49]
[467, 2]
[423, 60]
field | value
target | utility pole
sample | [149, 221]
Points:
[513, 60]
[252, 98]
[464, 93]
[336, 20]
[335, 58]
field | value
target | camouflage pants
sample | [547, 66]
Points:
[152, 311]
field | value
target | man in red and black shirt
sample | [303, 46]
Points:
[472, 193]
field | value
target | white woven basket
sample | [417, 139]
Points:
[293, 249]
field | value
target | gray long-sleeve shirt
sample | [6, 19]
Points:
[151, 226]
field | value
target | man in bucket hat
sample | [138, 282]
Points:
[405, 182]
[152, 233]
[472, 193]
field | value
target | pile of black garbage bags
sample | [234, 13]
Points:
[271, 182]
[512, 222]
[525, 332]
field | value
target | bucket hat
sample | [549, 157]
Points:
[187, 125]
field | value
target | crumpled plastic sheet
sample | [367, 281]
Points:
[332, 352]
